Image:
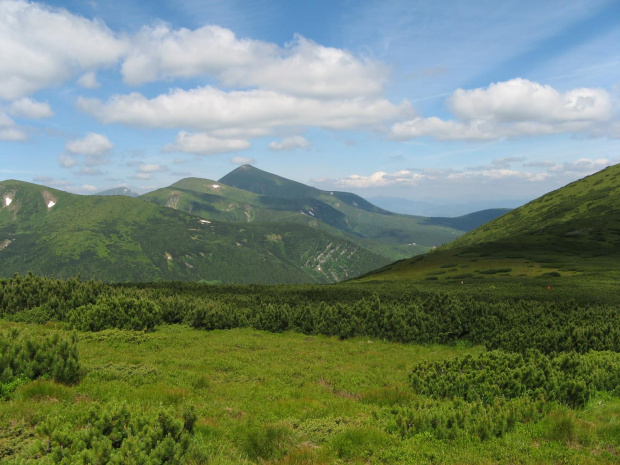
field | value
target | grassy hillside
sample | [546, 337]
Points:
[117, 238]
[257, 196]
[570, 236]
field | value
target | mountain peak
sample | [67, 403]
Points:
[261, 182]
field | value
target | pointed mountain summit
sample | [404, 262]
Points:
[261, 182]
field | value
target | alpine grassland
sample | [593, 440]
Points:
[389, 372]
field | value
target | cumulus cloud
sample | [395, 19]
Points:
[89, 80]
[67, 161]
[208, 108]
[549, 173]
[44, 46]
[290, 143]
[146, 170]
[29, 108]
[150, 168]
[9, 131]
[514, 108]
[94, 148]
[303, 67]
[92, 144]
[582, 166]
[203, 144]
[242, 161]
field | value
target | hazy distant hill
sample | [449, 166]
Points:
[571, 231]
[442, 208]
[119, 191]
[118, 238]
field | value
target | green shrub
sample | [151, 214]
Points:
[24, 358]
[457, 419]
[114, 434]
[569, 378]
[116, 312]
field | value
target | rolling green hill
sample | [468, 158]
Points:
[118, 238]
[573, 232]
[250, 195]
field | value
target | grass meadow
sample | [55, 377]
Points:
[282, 398]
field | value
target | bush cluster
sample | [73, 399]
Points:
[114, 434]
[24, 358]
[568, 378]
[120, 312]
[391, 312]
[457, 418]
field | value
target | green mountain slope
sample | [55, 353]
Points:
[571, 232]
[251, 195]
[117, 238]
[252, 179]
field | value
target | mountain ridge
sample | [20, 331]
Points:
[119, 238]
[570, 232]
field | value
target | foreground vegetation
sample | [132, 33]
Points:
[386, 373]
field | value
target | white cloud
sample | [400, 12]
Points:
[210, 109]
[9, 131]
[150, 168]
[89, 80]
[44, 46]
[301, 68]
[67, 161]
[29, 108]
[87, 188]
[92, 145]
[378, 179]
[515, 108]
[145, 171]
[451, 180]
[520, 100]
[290, 143]
[242, 160]
[581, 166]
[203, 144]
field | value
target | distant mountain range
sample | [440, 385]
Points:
[572, 231]
[248, 227]
[440, 207]
[119, 191]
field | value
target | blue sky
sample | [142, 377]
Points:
[486, 103]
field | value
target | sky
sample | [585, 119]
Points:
[489, 103]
